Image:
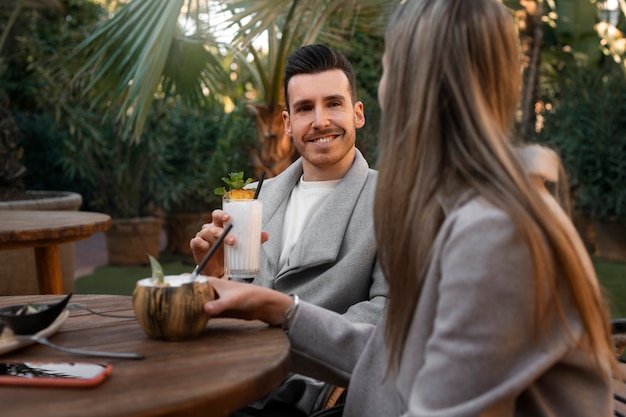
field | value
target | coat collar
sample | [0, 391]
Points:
[323, 236]
[454, 193]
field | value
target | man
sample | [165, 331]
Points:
[318, 213]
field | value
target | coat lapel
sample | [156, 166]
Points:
[324, 234]
[275, 195]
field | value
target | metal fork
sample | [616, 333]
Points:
[44, 341]
[118, 316]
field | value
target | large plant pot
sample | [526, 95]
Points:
[181, 228]
[610, 240]
[606, 239]
[129, 241]
[18, 274]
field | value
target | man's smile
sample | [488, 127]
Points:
[323, 136]
[324, 139]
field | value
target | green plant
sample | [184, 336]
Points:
[156, 269]
[236, 138]
[585, 120]
[33, 36]
[143, 43]
[123, 174]
[234, 181]
[11, 168]
[366, 51]
[40, 137]
[190, 137]
[199, 144]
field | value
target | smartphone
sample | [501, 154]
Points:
[54, 374]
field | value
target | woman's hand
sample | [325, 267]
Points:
[247, 301]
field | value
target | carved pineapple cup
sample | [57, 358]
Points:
[174, 309]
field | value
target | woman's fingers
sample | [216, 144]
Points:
[247, 301]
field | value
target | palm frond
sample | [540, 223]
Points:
[192, 68]
[129, 54]
[286, 24]
[166, 47]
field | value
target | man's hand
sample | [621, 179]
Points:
[206, 238]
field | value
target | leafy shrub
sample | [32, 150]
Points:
[585, 121]
[123, 175]
[41, 136]
[237, 137]
[201, 147]
[365, 55]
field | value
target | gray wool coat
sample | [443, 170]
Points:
[334, 265]
[471, 349]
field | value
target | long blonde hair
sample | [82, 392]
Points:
[448, 109]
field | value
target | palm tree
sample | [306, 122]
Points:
[170, 47]
[548, 28]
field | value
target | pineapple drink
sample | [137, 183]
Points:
[242, 260]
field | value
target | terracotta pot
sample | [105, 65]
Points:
[181, 228]
[610, 240]
[604, 239]
[130, 240]
[175, 311]
[18, 274]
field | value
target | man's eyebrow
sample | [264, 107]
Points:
[307, 101]
[335, 97]
[302, 102]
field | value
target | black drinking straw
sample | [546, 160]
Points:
[210, 253]
[258, 186]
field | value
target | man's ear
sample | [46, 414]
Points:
[287, 123]
[359, 116]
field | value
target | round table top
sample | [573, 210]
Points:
[31, 227]
[233, 363]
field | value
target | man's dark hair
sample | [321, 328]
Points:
[313, 59]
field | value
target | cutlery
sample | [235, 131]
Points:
[118, 316]
[44, 341]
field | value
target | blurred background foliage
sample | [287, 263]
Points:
[574, 97]
[71, 134]
[141, 118]
[583, 116]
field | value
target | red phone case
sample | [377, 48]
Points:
[58, 382]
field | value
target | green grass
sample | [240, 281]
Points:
[612, 276]
[121, 280]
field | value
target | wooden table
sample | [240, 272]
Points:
[233, 363]
[45, 231]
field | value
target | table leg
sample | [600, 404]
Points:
[49, 269]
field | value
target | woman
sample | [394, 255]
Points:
[494, 308]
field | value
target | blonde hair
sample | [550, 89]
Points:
[448, 108]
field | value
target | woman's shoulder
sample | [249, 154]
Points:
[479, 228]
[475, 209]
